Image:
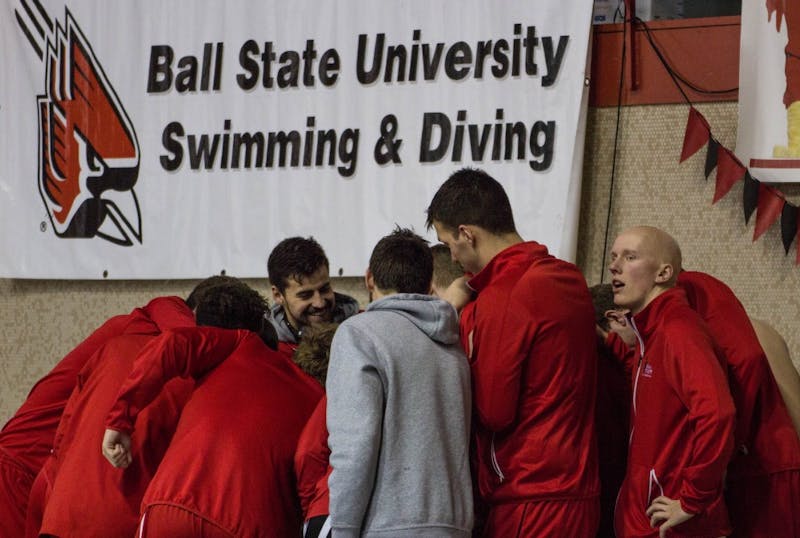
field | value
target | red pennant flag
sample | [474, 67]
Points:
[697, 134]
[770, 206]
[729, 171]
[797, 260]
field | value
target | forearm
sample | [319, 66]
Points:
[186, 352]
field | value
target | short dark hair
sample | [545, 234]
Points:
[445, 270]
[471, 196]
[295, 258]
[314, 350]
[204, 285]
[232, 305]
[402, 262]
[603, 301]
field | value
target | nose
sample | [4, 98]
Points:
[318, 301]
[613, 267]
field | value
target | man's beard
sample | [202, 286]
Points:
[326, 313]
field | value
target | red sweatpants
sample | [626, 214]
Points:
[765, 506]
[168, 521]
[544, 519]
[15, 485]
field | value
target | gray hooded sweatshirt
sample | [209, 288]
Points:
[398, 417]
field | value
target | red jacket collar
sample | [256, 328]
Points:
[648, 319]
[525, 252]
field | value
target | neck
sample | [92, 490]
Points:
[655, 292]
[378, 293]
[491, 245]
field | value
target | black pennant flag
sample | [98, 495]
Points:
[711, 156]
[788, 225]
[749, 196]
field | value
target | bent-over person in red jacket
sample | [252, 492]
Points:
[530, 339]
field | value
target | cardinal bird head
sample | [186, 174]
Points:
[88, 151]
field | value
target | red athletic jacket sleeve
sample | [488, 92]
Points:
[169, 313]
[622, 352]
[501, 341]
[730, 327]
[58, 384]
[182, 352]
[697, 375]
[311, 460]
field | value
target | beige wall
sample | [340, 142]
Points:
[42, 320]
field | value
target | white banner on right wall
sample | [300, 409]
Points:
[768, 139]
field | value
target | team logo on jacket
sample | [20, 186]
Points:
[648, 370]
[88, 156]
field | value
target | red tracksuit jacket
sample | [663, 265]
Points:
[27, 438]
[231, 457]
[533, 362]
[682, 422]
[764, 432]
[89, 497]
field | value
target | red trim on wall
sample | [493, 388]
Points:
[704, 51]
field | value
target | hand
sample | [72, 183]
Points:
[619, 324]
[669, 511]
[458, 293]
[117, 448]
[601, 333]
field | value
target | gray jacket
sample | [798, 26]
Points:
[398, 418]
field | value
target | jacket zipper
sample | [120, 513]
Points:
[640, 342]
[495, 465]
[653, 479]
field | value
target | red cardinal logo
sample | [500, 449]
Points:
[88, 151]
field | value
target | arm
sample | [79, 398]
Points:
[169, 313]
[458, 293]
[700, 382]
[355, 420]
[747, 365]
[184, 352]
[311, 457]
[620, 342]
[731, 330]
[59, 382]
[780, 362]
[501, 343]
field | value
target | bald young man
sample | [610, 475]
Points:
[683, 417]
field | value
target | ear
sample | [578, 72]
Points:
[665, 273]
[277, 296]
[466, 232]
[369, 281]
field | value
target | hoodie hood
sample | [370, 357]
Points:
[345, 307]
[433, 316]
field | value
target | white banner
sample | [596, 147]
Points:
[768, 137]
[180, 139]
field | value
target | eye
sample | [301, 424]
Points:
[304, 295]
